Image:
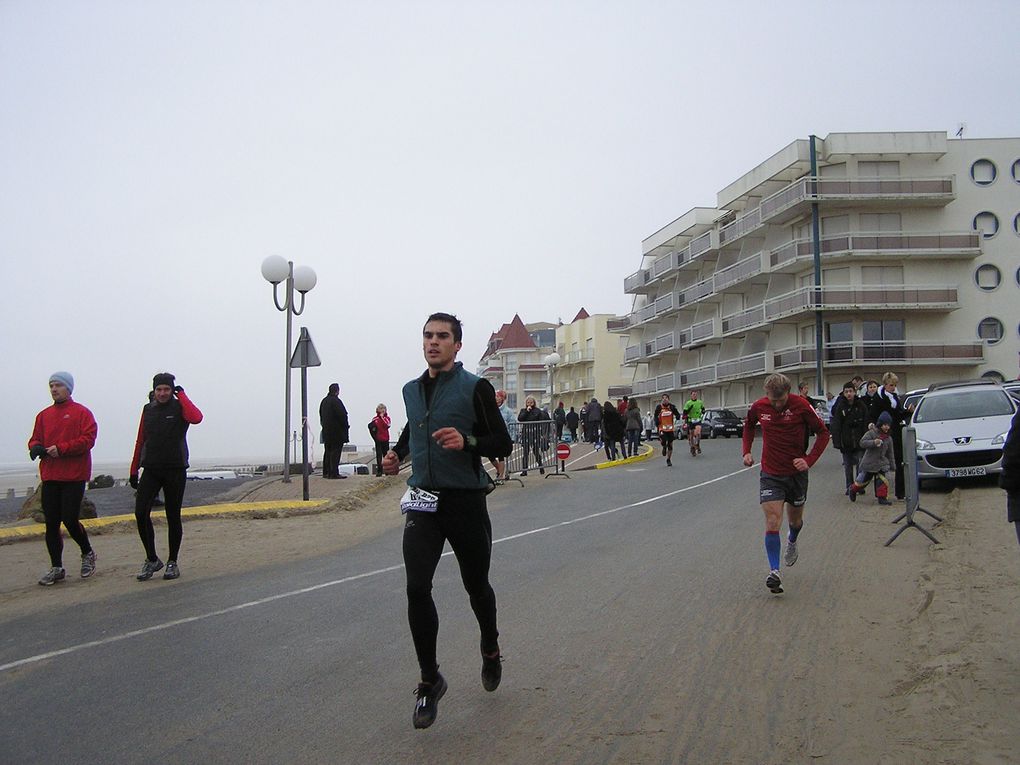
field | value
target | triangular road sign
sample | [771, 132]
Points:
[305, 354]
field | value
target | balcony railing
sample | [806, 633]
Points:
[637, 281]
[664, 304]
[811, 189]
[579, 357]
[744, 366]
[894, 243]
[738, 272]
[702, 330]
[618, 323]
[696, 291]
[586, 383]
[699, 376]
[743, 225]
[632, 353]
[881, 352]
[663, 265]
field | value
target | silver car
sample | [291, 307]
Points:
[961, 430]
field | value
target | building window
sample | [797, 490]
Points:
[1016, 171]
[991, 330]
[883, 331]
[987, 223]
[988, 277]
[992, 374]
[1016, 224]
[839, 332]
[983, 172]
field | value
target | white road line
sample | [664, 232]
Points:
[345, 580]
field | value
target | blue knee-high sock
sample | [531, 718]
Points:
[772, 547]
[794, 532]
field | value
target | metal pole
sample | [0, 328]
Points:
[816, 241]
[304, 433]
[289, 305]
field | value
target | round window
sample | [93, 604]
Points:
[983, 172]
[988, 277]
[987, 223]
[992, 374]
[1015, 171]
[990, 330]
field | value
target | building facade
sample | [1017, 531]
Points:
[591, 362]
[889, 251]
[514, 360]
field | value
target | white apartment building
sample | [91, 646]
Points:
[915, 240]
[591, 360]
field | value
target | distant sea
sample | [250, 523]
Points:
[23, 476]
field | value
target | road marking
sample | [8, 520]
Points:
[345, 580]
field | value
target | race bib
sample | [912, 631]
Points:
[419, 501]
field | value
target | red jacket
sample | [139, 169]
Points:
[784, 434]
[383, 425]
[72, 429]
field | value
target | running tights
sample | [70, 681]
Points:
[463, 519]
[61, 503]
[171, 481]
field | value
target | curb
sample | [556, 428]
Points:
[38, 530]
[629, 460]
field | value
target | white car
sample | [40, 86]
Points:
[961, 430]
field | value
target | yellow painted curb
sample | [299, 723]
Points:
[38, 530]
[629, 460]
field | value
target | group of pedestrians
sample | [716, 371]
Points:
[62, 439]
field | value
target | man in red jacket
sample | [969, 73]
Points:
[62, 439]
[785, 422]
[162, 450]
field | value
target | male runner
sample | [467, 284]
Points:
[785, 421]
[694, 410]
[452, 422]
[666, 418]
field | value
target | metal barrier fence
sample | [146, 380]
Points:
[534, 447]
[911, 489]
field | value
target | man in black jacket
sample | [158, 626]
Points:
[336, 429]
[848, 425]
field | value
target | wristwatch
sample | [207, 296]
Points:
[470, 442]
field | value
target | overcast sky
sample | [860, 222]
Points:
[474, 157]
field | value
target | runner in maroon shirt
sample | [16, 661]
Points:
[785, 422]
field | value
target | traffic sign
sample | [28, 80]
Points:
[563, 451]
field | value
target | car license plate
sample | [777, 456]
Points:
[963, 472]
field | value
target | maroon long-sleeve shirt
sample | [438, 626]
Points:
[784, 433]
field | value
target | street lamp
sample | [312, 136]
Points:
[276, 270]
[550, 363]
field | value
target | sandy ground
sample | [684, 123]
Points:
[929, 671]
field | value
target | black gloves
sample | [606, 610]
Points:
[37, 451]
[178, 389]
[133, 480]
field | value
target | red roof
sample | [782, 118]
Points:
[582, 314]
[512, 335]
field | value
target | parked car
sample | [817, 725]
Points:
[721, 422]
[961, 430]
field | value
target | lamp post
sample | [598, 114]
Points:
[550, 363]
[276, 270]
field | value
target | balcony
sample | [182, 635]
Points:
[702, 331]
[696, 292]
[632, 354]
[664, 304]
[578, 357]
[881, 353]
[618, 391]
[695, 249]
[638, 282]
[892, 244]
[794, 200]
[618, 324]
[585, 383]
[699, 376]
[744, 366]
[738, 272]
[742, 226]
[744, 320]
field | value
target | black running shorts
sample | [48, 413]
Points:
[791, 489]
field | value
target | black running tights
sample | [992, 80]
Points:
[61, 503]
[171, 481]
[462, 518]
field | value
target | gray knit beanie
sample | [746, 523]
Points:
[65, 379]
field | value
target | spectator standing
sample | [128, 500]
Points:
[613, 432]
[560, 418]
[621, 406]
[1009, 478]
[892, 402]
[873, 401]
[534, 437]
[511, 428]
[848, 425]
[336, 431]
[380, 429]
[583, 420]
[595, 422]
[649, 422]
[62, 440]
[161, 450]
[633, 424]
[572, 419]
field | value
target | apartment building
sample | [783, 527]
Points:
[890, 251]
[591, 361]
[514, 360]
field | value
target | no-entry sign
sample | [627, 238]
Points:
[563, 451]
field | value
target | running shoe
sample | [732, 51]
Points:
[427, 707]
[492, 671]
[852, 494]
[541, 471]
[52, 576]
[791, 553]
[884, 501]
[699, 448]
[172, 570]
[88, 564]
[149, 567]
[669, 462]
[774, 583]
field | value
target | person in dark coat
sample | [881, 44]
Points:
[1009, 479]
[572, 422]
[848, 425]
[559, 416]
[613, 432]
[336, 431]
[594, 421]
[873, 401]
[534, 438]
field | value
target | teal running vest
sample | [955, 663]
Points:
[433, 467]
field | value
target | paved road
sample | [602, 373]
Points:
[635, 624]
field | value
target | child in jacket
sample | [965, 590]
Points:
[878, 460]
